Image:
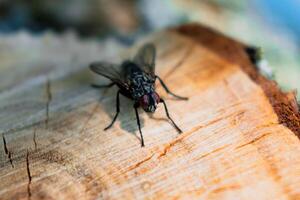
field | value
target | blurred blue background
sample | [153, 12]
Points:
[282, 13]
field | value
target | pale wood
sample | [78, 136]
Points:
[233, 146]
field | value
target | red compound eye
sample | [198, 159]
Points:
[156, 97]
[144, 101]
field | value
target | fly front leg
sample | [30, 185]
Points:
[168, 90]
[103, 86]
[117, 113]
[138, 123]
[169, 117]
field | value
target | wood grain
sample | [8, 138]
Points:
[234, 144]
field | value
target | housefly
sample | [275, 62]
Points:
[136, 80]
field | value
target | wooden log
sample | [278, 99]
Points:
[240, 130]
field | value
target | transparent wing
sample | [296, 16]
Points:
[108, 70]
[145, 58]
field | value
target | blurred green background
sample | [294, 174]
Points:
[273, 25]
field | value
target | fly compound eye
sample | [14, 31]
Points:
[156, 97]
[144, 101]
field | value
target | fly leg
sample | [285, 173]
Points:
[168, 90]
[168, 115]
[117, 113]
[102, 86]
[138, 123]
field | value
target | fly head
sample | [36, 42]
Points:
[149, 102]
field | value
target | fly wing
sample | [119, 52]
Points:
[110, 71]
[145, 58]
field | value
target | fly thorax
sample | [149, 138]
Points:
[140, 85]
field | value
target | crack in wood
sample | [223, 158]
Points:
[180, 62]
[89, 118]
[254, 140]
[7, 152]
[20, 128]
[226, 188]
[168, 52]
[226, 83]
[169, 146]
[184, 135]
[34, 139]
[140, 163]
[179, 139]
[214, 151]
[272, 169]
[29, 175]
[49, 98]
[167, 149]
[4, 143]
[10, 159]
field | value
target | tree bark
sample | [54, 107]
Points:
[239, 137]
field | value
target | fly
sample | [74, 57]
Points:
[136, 80]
